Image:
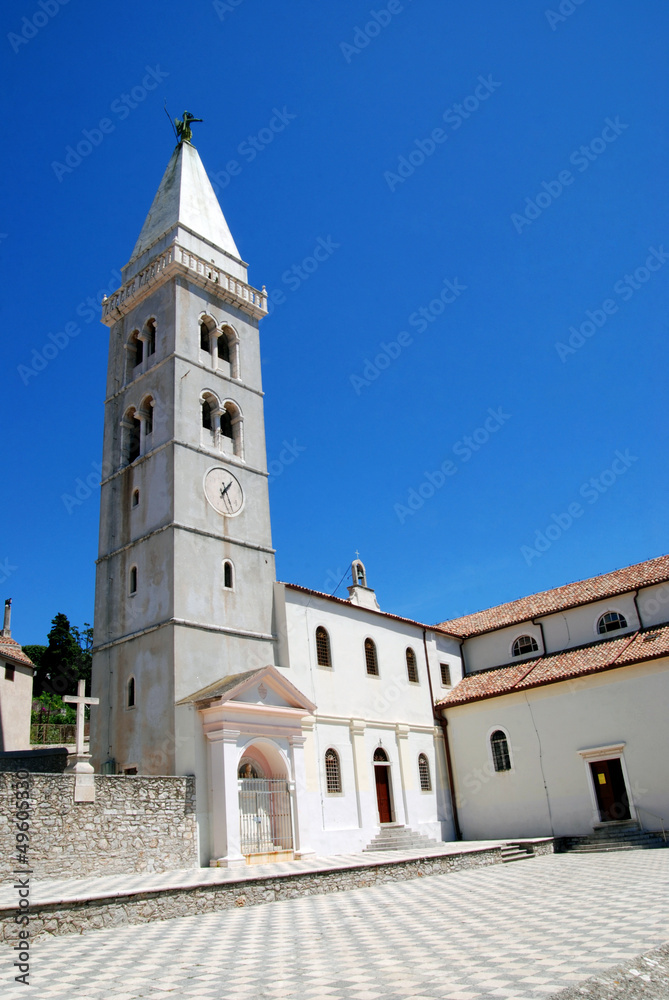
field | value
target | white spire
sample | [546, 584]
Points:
[186, 199]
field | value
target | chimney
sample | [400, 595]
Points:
[6, 629]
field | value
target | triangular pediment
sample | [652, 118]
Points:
[264, 687]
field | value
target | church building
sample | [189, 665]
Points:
[315, 724]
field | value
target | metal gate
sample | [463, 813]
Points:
[265, 816]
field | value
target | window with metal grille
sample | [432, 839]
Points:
[611, 622]
[445, 674]
[332, 772]
[525, 644]
[412, 668]
[370, 657]
[323, 657]
[380, 754]
[500, 751]
[424, 773]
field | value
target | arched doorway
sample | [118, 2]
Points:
[384, 795]
[265, 815]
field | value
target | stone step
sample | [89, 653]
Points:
[399, 838]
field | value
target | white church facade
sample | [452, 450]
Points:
[313, 722]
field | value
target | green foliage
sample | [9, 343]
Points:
[51, 709]
[34, 653]
[65, 660]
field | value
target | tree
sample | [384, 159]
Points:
[66, 659]
[35, 653]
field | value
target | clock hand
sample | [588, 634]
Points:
[223, 492]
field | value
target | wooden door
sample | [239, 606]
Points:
[382, 776]
[610, 789]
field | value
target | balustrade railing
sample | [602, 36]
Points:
[239, 289]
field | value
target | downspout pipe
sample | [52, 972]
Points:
[443, 722]
[543, 636]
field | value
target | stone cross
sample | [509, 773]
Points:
[80, 700]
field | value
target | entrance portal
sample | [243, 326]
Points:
[265, 816]
[383, 792]
[610, 790]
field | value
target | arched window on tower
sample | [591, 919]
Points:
[424, 773]
[323, 656]
[134, 354]
[228, 575]
[207, 407]
[150, 336]
[223, 347]
[207, 327]
[130, 693]
[146, 414]
[332, 772]
[132, 580]
[371, 661]
[499, 746]
[231, 429]
[131, 436]
[412, 666]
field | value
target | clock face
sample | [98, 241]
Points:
[223, 492]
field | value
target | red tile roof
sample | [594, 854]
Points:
[571, 595]
[10, 650]
[570, 663]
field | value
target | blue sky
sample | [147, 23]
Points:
[497, 166]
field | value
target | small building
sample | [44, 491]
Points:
[558, 725]
[16, 690]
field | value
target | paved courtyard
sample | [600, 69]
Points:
[522, 931]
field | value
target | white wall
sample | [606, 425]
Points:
[627, 705]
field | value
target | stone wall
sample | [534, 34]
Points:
[136, 824]
[44, 760]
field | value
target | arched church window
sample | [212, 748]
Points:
[323, 657]
[380, 755]
[226, 424]
[371, 660]
[131, 435]
[499, 746]
[525, 644]
[206, 413]
[412, 666]
[424, 773]
[228, 576]
[130, 693]
[223, 347]
[146, 413]
[135, 498]
[150, 330]
[206, 329]
[611, 622]
[132, 580]
[231, 429]
[332, 772]
[135, 350]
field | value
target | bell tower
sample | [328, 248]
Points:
[185, 568]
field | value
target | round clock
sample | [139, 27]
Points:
[223, 492]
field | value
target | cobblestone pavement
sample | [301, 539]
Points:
[521, 931]
[645, 977]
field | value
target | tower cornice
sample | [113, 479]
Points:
[174, 261]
